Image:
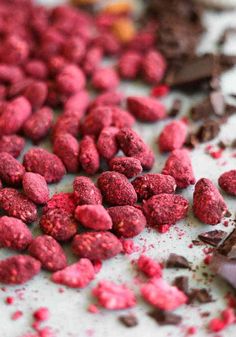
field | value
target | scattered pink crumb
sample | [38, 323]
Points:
[16, 315]
[191, 331]
[9, 300]
[129, 247]
[93, 309]
[97, 265]
[41, 314]
[220, 323]
[149, 266]
[207, 259]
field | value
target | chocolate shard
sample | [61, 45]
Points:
[228, 246]
[212, 238]
[182, 283]
[224, 267]
[176, 107]
[208, 131]
[165, 317]
[197, 243]
[129, 320]
[201, 296]
[191, 141]
[177, 261]
[227, 61]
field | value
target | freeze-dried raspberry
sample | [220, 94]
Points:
[121, 118]
[107, 144]
[128, 221]
[113, 296]
[59, 224]
[153, 67]
[129, 64]
[227, 181]
[14, 114]
[66, 124]
[38, 124]
[97, 119]
[116, 189]
[64, 201]
[36, 93]
[77, 104]
[85, 192]
[66, 147]
[40, 161]
[88, 155]
[74, 49]
[16, 204]
[161, 91]
[94, 217]
[133, 146]
[11, 171]
[14, 233]
[128, 166]
[146, 109]
[36, 69]
[110, 98]
[165, 209]
[96, 245]
[208, 204]
[163, 296]
[172, 136]
[149, 267]
[179, 166]
[77, 275]
[48, 251]
[70, 80]
[10, 74]
[35, 187]
[92, 60]
[105, 79]
[151, 184]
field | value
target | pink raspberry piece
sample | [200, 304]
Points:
[94, 217]
[42, 314]
[227, 181]
[85, 192]
[12, 144]
[146, 109]
[128, 166]
[11, 171]
[173, 136]
[35, 187]
[149, 267]
[107, 145]
[63, 201]
[66, 147]
[105, 79]
[88, 155]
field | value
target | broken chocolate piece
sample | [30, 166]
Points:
[176, 107]
[165, 317]
[228, 246]
[129, 320]
[197, 243]
[212, 238]
[177, 261]
[201, 296]
[208, 131]
[182, 283]
[191, 141]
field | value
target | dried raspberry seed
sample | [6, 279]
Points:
[35, 187]
[93, 217]
[172, 136]
[153, 67]
[85, 192]
[12, 144]
[107, 144]
[105, 79]
[146, 109]
[88, 155]
[227, 181]
[64, 201]
[96, 245]
[97, 119]
[11, 171]
[149, 266]
[129, 64]
[66, 147]
[128, 166]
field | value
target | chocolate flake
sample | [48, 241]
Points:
[212, 238]
[228, 246]
[176, 107]
[191, 141]
[197, 243]
[182, 283]
[129, 320]
[177, 261]
[208, 131]
[165, 317]
[201, 296]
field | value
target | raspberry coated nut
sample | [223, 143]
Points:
[18, 269]
[11, 171]
[165, 209]
[66, 124]
[146, 109]
[153, 67]
[113, 296]
[70, 80]
[97, 119]
[151, 184]
[36, 69]
[105, 79]
[96, 245]
[40, 161]
[172, 136]
[116, 189]
[94, 217]
[14, 233]
[36, 93]
[178, 165]
[48, 251]
[74, 49]
[77, 104]
[227, 181]
[66, 147]
[77, 275]
[88, 155]
[208, 204]
[149, 267]
[107, 144]
[85, 192]
[129, 64]
[12, 144]
[128, 221]
[121, 118]
[16, 204]
[163, 296]
[63, 201]
[92, 60]
[35, 187]
[108, 98]
[128, 166]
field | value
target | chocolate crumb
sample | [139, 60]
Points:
[182, 283]
[201, 295]
[205, 314]
[176, 107]
[164, 317]
[228, 214]
[212, 238]
[197, 243]
[177, 261]
[208, 131]
[191, 141]
[129, 320]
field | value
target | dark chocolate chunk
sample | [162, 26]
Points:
[227, 61]
[233, 144]
[191, 141]
[129, 320]
[213, 238]
[177, 261]
[176, 107]
[224, 267]
[182, 283]
[228, 246]
[208, 131]
[197, 243]
[230, 109]
[225, 35]
[201, 296]
[165, 317]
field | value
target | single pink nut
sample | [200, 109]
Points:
[96, 245]
[153, 66]
[66, 147]
[151, 184]
[35, 187]
[121, 118]
[66, 124]
[133, 146]
[36, 93]
[38, 124]
[163, 296]
[77, 275]
[105, 79]
[16, 204]
[36, 69]
[92, 60]
[70, 80]
[165, 209]
[77, 104]
[94, 217]
[108, 42]
[88, 155]
[109, 98]
[14, 50]
[96, 120]
[116, 189]
[208, 204]
[172, 136]
[12, 144]
[114, 297]
[179, 166]
[14, 115]
[146, 109]
[11, 171]
[129, 64]
[128, 166]
[40, 161]
[74, 49]
[14, 233]
[18, 269]
[128, 221]
[48, 251]
[18, 88]
[85, 192]
[10, 74]
[107, 144]
[227, 181]
[64, 201]
[149, 267]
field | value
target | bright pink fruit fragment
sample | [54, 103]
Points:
[149, 266]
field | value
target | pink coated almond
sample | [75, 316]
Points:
[88, 155]
[70, 80]
[172, 136]
[227, 181]
[94, 217]
[66, 147]
[12, 144]
[96, 120]
[11, 171]
[105, 79]
[107, 144]
[146, 109]
[35, 187]
[128, 166]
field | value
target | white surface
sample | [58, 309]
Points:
[68, 310]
